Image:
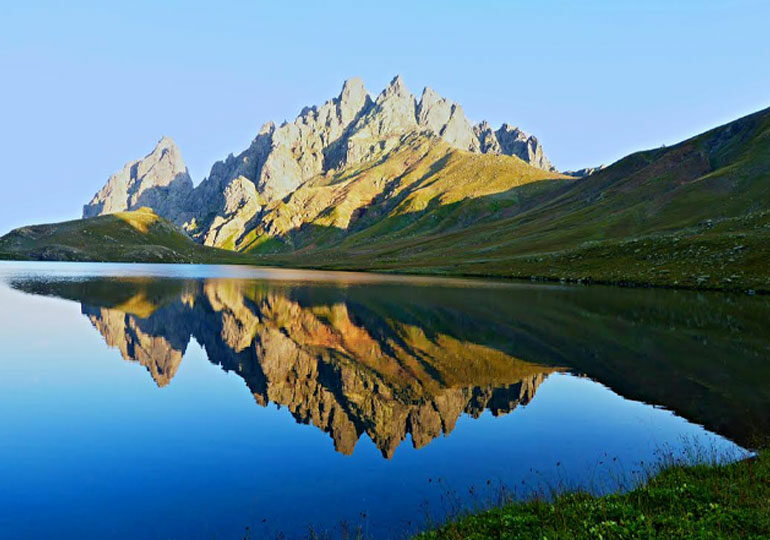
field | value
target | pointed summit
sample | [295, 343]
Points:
[353, 98]
[166, 150]
[446, 119]
[433, 111]
[488, 143]
[159, 181]
[429, 95]
[397, 87]
[353, 89]
[514, 142]
[166, 142]
[393, 113]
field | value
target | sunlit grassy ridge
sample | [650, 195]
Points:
[138, 236]
[422, 187]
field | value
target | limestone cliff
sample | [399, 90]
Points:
[159, 181]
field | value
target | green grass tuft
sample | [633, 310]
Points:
[701, 501]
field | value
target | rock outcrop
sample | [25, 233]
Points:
[159, 181]
[511, 141]
[514, 142]
[586, 171]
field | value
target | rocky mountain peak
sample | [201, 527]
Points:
[429, 95]
[345, 131]
[433, 111]
[392, 115]
[159, 180]
[397, 87]
[446, 119]
[352, 99]
[353, 91]
[395, 107]
[514, 142]
[166, 143]
[488, 143]
[267, 129]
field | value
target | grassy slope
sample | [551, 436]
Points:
[703, 501]
[123, 237]
[692, 215]
[423, 187]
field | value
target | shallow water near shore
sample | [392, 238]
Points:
[184, 401]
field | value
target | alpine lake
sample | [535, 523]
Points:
[228, 402]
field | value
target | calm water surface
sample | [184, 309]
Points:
[191, 402]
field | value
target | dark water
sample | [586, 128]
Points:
[191, 402]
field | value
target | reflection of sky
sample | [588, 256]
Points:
[91, 448]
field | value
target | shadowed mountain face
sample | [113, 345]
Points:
[391, 359]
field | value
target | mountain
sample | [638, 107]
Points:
[159, 181]
[422, 186]
[139, 235]
[344, 134]
[690, 215]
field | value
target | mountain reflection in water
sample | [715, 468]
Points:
[392, 359]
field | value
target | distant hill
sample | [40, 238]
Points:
[140, 235]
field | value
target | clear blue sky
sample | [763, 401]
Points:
[86, 88]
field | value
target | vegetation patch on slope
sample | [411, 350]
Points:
[701, 501]
[137, 236]
[421, 187]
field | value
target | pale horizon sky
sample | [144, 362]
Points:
[89, 86]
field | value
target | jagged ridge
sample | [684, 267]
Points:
[345, 132]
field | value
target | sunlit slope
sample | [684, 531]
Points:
[694, 214]
[424, 187]
[126, 236]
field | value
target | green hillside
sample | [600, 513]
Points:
[138, 236]
[696, 214]
[423, 187]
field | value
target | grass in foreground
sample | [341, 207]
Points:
[701, 501]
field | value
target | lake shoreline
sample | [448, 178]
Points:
[738, 288]
[682, 501]
[624, 283]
